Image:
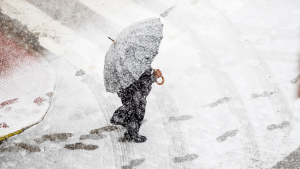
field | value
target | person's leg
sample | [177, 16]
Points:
[120, 116]
[136, 119]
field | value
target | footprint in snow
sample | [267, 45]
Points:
[92, 137]
[80, 145]
[220, 101]
[28, 147]
[79, 73]
[230, 133]
[56, 137]
[282, 125]
[264, 94]
[164, 14]
[180, 118]
[189, 157]
[103, 129]
[134, 163]
[295, 80]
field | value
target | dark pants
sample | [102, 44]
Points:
[133, 98]
[132, 113]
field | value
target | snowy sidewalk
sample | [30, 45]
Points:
[75, 132]
[27, 84]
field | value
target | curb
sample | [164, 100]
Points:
[23, 129]
[11, 134]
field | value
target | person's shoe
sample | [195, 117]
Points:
[139, 139]
[136, 139]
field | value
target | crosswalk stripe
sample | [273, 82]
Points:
[54, 36]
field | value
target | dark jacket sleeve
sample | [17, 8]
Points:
[145, 82]
[153, 79]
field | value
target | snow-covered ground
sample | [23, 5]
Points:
[27, 85]
[229, 100]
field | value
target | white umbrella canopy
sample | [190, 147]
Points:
[131, 54]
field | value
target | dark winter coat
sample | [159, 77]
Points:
[143, 85]
[134, 102]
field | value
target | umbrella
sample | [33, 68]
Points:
[132, 53]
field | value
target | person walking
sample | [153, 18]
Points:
[131, 114]
[128, 72]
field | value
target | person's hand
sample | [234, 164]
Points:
[157, 73]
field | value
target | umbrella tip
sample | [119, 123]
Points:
[112, 39]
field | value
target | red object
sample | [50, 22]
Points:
[12, 57]
[5, 125]
[162, 82]
[39, 101]
[157, 73]
[8, 102]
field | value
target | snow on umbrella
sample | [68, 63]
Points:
[132, 53]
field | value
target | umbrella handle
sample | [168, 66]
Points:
[162, 82]
[163, 79]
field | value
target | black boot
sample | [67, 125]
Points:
[136, 138]
[132, 133]
[140, 139]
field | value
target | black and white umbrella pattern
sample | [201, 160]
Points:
[132, 53]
